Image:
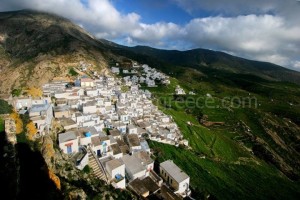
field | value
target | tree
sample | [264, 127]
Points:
[16, 92]
[31, 130]
[5, 108]
[72, 72]
[19, 123]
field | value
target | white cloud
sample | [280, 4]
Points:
[98, 16]
[264, 37]
[296, 64]
[156, 32]
[286, 8]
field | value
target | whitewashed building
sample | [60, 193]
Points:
[175, 177]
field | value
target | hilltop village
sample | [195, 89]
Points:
[106, 121]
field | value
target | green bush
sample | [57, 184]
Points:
[5, 108]
[16, 92]
[72, 72]
[87, 169]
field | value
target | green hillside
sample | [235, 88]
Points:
[249, 157]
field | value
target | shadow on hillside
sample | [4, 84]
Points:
[24, 173]
[34, 179]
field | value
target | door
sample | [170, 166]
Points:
[98, 152]
[69, 149]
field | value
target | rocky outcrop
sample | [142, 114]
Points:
[73, 183]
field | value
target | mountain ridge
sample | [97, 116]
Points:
[32, 38]
[199, 58]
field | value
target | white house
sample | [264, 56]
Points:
[87, 82]
[175, 177]
[116, 173]
[179, 90]
[145, 160]
[134, 142]
[68, 142]
[115, 133]
[68, 123]
[89, 107]
[120, 126]
[133, 167]
[150, 83]
[22, 102]
[116, 151]
[42, 116]
[115, 70]
[131, 129]
[92, 92]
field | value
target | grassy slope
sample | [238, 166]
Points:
[229, 168]
[227, 180]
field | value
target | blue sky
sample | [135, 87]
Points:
[154, 10]
[266, 30]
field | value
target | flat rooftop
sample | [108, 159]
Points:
[115, 163]
[61, 108]
[144, 157]
[66, 121]
[116, 149]
[174, 171]
[82, 131]
[39, 107]
[115, 132]
[132, 164]
[137, 186]
[133, 140]
[96, 141]
[150, 184]
[67, 136]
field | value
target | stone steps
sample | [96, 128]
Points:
[97, 170]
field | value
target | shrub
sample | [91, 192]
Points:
[5, 108]
[87, 169]
[72, 72]
[35, 92]
[31, 130]
[16, 92]
[19, 123]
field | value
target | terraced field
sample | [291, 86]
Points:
[223, 161]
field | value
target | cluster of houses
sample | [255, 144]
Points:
[105, 128]
[142, 74]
